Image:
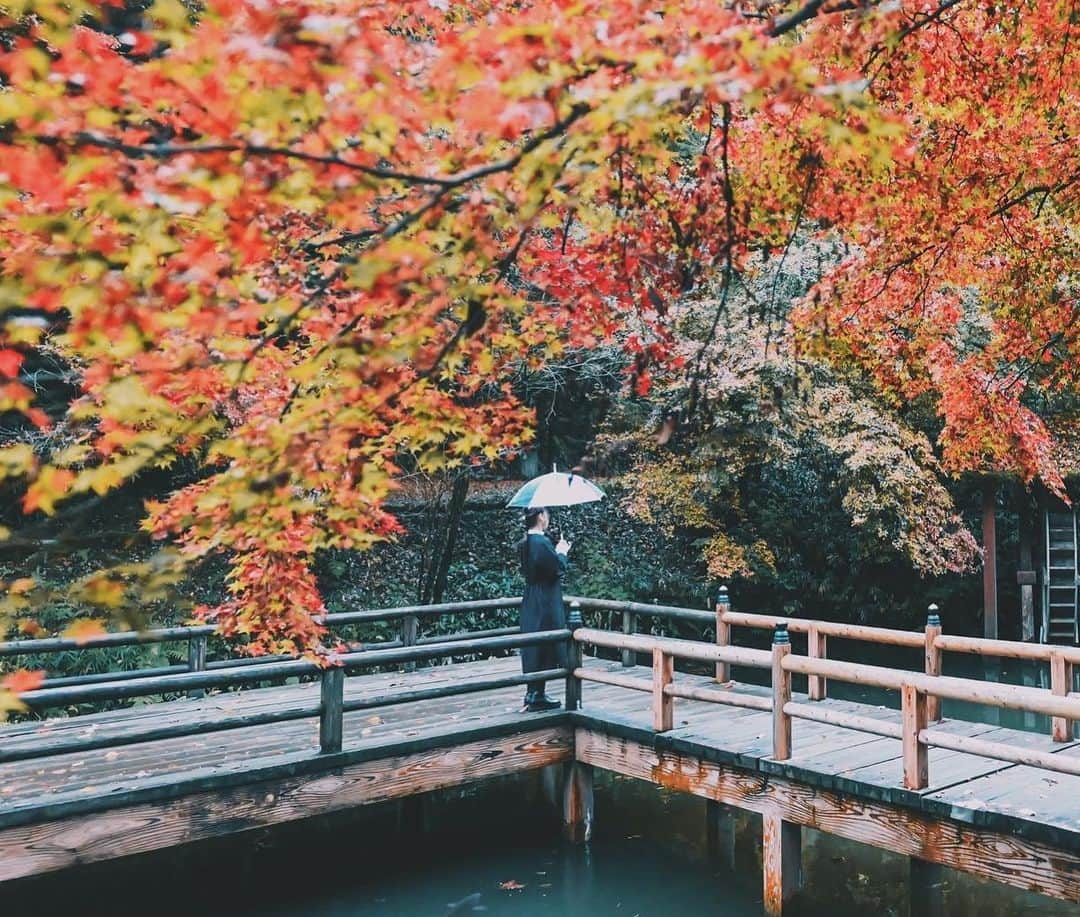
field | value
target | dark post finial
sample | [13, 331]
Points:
[575, 620]
[722, 597]
[780, 634]
[933, 619]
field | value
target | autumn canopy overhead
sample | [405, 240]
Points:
[300, 244]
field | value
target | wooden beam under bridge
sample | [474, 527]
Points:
[319, 785]
[1026, 863]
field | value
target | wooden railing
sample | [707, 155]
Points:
[330, 710]
[1062, 660]
[916, 689]
[197, 636]
[921, 692]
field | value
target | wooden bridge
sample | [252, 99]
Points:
[238, 748]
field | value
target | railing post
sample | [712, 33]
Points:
[723, 633]
[933, 660]
[196, 661]
[573, 659]
[817, 648]
[409, 630]
[916, 754]
[663, 705]
[330, 711]
[781, 693]
[628, 624]
[1061, 679]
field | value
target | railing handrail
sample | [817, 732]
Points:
[1007, 649]
[43, 698]
[863, 632]
[677, 612]
[859, 632]
[947, 687]
[188, 631]
[673, 646]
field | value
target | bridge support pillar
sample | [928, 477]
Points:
[720, 829]
[578, 802]
[925, 889]
[781, 862]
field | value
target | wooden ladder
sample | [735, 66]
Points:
[1060, 620]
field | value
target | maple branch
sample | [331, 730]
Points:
[445, 183]
[796, 19]
[169, 150]
[909, 30]
[1047, 190]
[729, 262]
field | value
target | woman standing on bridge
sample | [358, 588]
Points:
[543, 567]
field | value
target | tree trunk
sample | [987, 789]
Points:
[445, 540]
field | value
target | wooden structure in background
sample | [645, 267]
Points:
[948, 792]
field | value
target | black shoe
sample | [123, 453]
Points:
[540, 703]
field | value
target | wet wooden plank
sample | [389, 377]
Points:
[1026, 792]
[106, 770]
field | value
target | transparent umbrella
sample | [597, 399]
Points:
[559, 488]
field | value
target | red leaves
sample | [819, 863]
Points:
[10, 361]
[22, 681]
[276, 227]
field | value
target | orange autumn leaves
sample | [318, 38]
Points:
[307, 248]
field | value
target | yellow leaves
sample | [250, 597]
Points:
[9, 703]
[380, 133]
[16, 461]
[365, 274]
[84, 630]
[50, 486]
[103, 590]
[72, 455]
[21, 586]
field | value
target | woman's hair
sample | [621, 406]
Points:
[532, 514]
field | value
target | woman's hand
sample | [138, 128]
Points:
[563, 547]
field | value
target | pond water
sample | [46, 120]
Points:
[494, 849]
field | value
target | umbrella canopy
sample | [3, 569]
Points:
[556, 489]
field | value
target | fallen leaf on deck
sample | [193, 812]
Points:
[374, 720]
[109, 756]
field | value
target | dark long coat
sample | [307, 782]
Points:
[542, 606]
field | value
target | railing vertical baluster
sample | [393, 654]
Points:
[1061, 678]
[781, 693]
[916, 755]
[409, 630]
[933, 660]
[663, 671]
[196, 661]
[573, 659]
[628, 624]
[330, 711]
[817, 648]
[723, 633]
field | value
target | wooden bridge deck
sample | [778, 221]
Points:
[60, 809]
